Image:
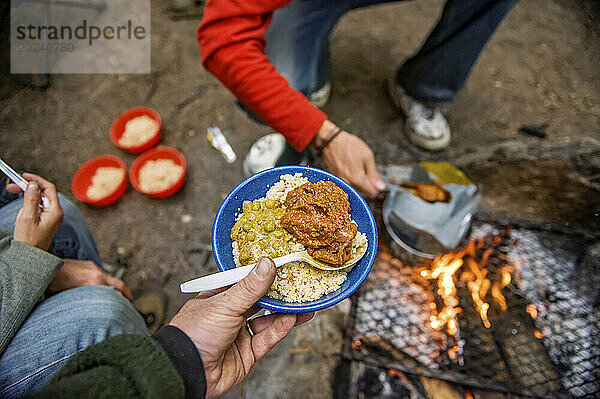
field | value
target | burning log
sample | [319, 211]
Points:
[523, 351]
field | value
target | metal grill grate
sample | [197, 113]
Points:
[557, 354]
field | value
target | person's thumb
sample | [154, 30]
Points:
[31, 201]
[240, 297]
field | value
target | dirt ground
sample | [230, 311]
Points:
[541, 67]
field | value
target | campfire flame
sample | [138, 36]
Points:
[454, 352]
[538, 334]
[443, 272]
[476, 276]
[532, 310]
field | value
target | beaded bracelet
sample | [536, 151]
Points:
[329, 139]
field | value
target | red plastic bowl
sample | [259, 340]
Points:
[154, 154]
[118, 128]
[83, 180]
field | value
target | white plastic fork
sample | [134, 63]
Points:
[18, 180]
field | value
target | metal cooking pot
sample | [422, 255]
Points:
[426, 229]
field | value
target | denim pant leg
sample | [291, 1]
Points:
[441, 67]
[73, 239]
[297, 41]
[57, 329]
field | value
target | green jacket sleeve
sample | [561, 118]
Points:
[125, 366]
[25, 273]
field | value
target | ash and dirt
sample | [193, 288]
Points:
[540, 67]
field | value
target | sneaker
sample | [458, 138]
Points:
[270, 151]
[320, 97]
[426, 126]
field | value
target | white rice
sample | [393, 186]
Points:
[138, 131]
[297, 281]
[158, 175]
[285, 184]
[104, 182]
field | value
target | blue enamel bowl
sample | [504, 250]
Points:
[256, 187]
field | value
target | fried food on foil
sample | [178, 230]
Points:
[428, 192]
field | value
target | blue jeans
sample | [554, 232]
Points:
[73, 239]
[297, 44]
[65, 323]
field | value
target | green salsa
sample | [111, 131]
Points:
[258, 231]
